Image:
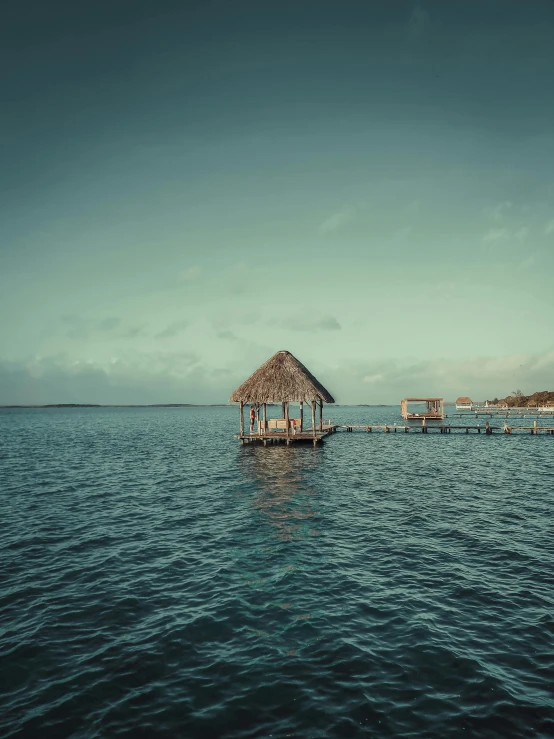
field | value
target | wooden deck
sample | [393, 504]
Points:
[266, 437]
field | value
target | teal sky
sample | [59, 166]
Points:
[188, 188]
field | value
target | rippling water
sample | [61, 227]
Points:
[156, 578]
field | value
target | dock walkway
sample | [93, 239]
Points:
[310, 437]
[448, 428]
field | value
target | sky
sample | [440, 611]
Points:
[187, 188]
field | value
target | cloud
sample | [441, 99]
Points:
[83, 328]
[228, 335]
[526, 263]
[172, 330]
[164, 377]
[521, 234]
[372, 379]
[323, 323]
[337, 220]
[479, 377]
[404, 232]
[108, 324]
[190, 274]
[132, 332]
[135, 379]
[419, 21]
[498, 212]
[493, 235]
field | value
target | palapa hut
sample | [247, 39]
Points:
[282, 379]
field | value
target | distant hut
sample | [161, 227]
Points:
[427, 408]
[283, 379]
[464, 403]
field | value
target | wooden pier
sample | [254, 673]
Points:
[283, 380]
[309, 436]
[505, 412]
[425, 428]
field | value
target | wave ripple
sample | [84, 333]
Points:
[157, 579]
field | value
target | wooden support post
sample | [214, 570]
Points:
[321, 415]
[301, 415]
[387, 430]
[406, 429]
[241, 418]
[313, 420]
[423, 427]
[287, 420]
[535, 427]
[265, 418]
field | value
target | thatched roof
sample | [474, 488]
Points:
[281, 378]
[464, 400]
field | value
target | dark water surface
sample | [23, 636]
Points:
[156, 579]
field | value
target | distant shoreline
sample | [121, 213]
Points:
[121, 405]
[178, 405]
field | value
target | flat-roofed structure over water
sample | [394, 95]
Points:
[464, 403]
[283, 379]
[432, 410]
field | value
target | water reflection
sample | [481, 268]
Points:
[285, 495]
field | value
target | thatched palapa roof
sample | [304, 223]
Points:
[464, 400]
[281, 378]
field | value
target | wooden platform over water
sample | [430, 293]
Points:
[279, 437]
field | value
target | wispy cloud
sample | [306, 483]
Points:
[499, 211]
[84, 328]
[419, 21]
[227, 335]
[373, 379]
[108, 324]
[495, 235]
[190, 274]
[479, 377]
[132, 332]
[173, 329]
[337, 220]
[322, 323]
[521, 234]
[527, 263]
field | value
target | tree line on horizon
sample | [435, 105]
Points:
[518, 400]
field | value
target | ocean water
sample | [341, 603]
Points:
[158, 579]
